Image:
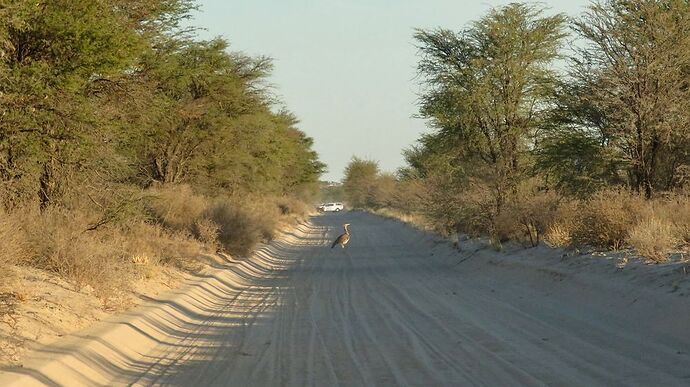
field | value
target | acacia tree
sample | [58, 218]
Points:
[208, 119]
[634, 68]
[300, 165]
[360, 181]
[262, 153]
[487, 88]
[55, 58]
[200, 89]
[114, 95]
[50, 53]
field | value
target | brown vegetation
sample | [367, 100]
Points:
[653, 238]
[609, 219]
[181, 225]
[605, 219]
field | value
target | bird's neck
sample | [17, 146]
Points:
[347, 231]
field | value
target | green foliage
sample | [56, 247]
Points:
[634, 70]
[577, 164]
[331, 192]
[487, 89]
[366, 187]
[100, 96]
[360, 180]
[50, 54]
[520, 152]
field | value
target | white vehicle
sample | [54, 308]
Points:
[331, 207]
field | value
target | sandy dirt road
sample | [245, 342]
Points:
[396, 307]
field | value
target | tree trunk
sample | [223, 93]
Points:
[47, 183]
[650, 171]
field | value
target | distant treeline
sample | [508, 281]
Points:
[96, 95]
[532, 112]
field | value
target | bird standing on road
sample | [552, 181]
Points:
[343, 238]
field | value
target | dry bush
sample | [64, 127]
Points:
[653, 238]
[560, 232]
[237, 231]
[472, 212]
[242, 226]
[609, 219]
[676, 210]
[61, 244]
[109, 258]
[266, 216]
[207, 231]
[153, 244]
[236, 225]
[606, 219]
[527, 217]
[292, 206]
[178, 207]
[112, 255]
[558, 235]
[14, 248]
[57, 240]
[185, 214]
[507, 227]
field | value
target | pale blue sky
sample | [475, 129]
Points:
[346, 68]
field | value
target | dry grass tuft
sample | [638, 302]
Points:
[416, 220]
[559, 235]
[14, 248]
[160, 246]
[292, 207]
[61, 244]
[606, 219]
[676, 209]
[653, 238]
